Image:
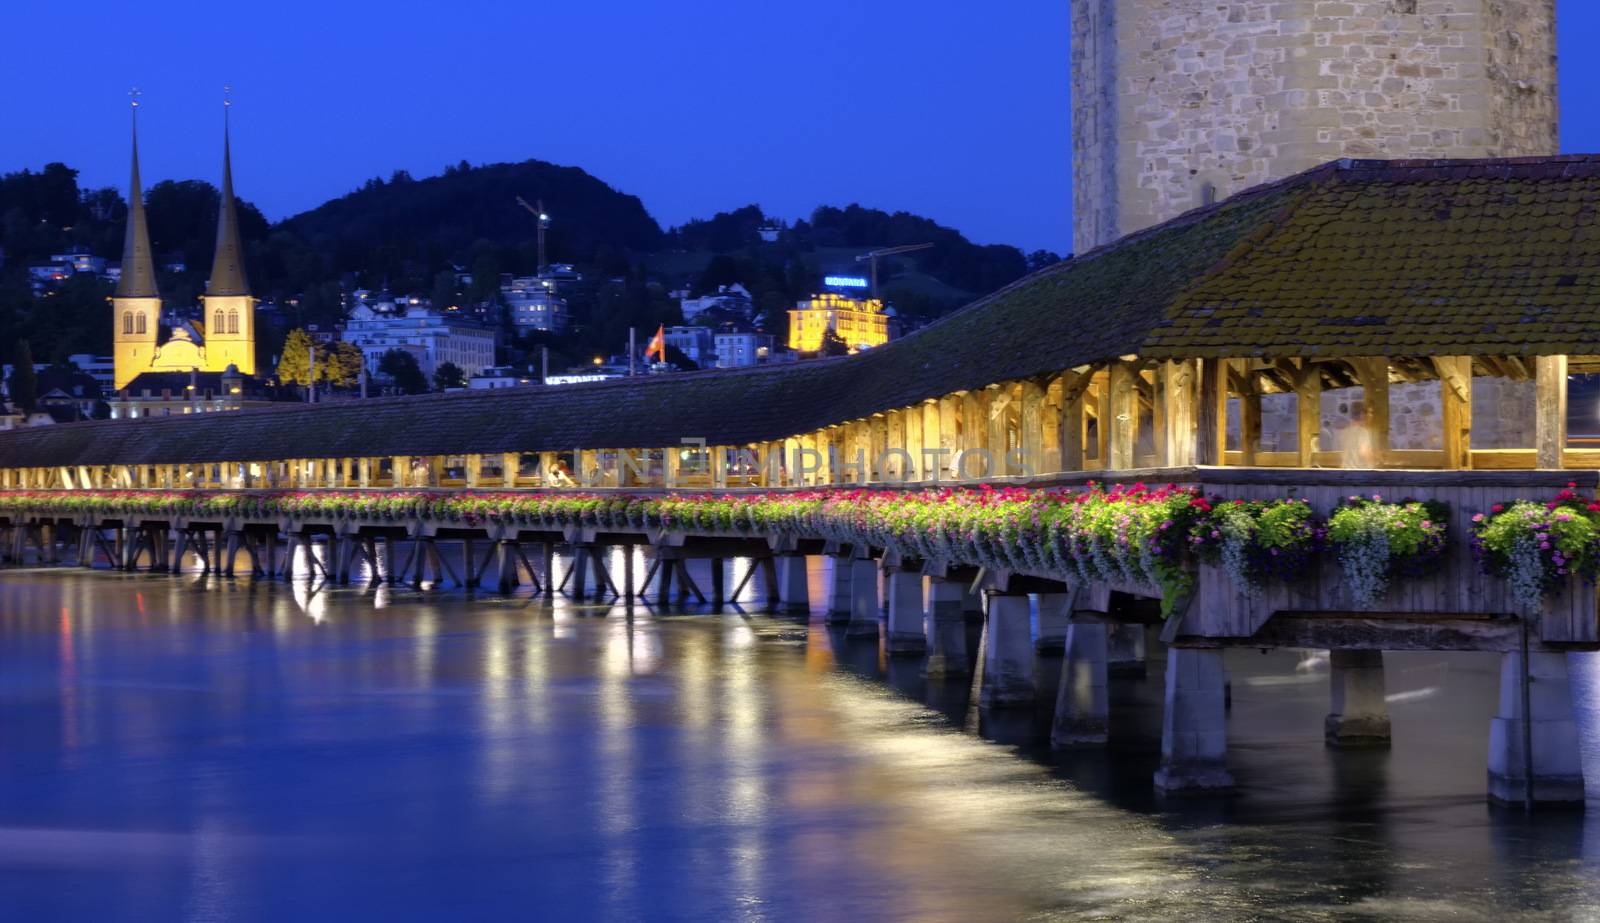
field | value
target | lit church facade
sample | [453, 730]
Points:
[223, 339]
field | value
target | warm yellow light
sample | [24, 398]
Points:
[233, 390]
[599, 361]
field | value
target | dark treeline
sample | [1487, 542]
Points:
[451, 237]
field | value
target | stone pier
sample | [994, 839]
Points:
[864, 605]
[1359, 715]
[906, 635]
[1083, 702]
[1556, 764]
[794, 591]
[1008, 654]
[1194, 728]
[946, 628]
[1054, 611]
[839, 602]
[1125, 649]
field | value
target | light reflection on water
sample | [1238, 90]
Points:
[272, 751]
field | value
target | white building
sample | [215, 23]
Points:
[737, 350]
[411, 325]
[534, 304]
[503, 376]
[697, 343]
[735, 299]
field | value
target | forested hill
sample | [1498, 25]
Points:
[392, 226]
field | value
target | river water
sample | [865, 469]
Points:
[263, 751]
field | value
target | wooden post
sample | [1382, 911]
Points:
[510, 463]
[1074, 386]
[1032, 432]
[474, 470]
[1550, 410]
[670, 464]
[913, 423]
[1183, 433]
[878, 444]
[1211, 423]
[1455, 402]
[401, 470]
[949, 432]
[896, 463]
[974, 430]
[1374, 375]
[999, 441]
[935, 454]
[1123, 414]
[1308, 394]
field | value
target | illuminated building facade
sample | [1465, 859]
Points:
[859, 322]
[225, 335]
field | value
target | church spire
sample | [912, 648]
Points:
[138, 278]
[227, 267]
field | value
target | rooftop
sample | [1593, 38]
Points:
[1356, 258]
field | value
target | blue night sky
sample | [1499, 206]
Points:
[939, 107]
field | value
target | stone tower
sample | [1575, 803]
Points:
[136, 304]
[1176, 103]
[229, 312]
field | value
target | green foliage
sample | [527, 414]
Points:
[294, 363]
[24, 381]
[340, 363]
[402, 369]
[449, 375]
[833, 345]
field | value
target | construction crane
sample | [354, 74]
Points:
[544, 224]
[891, 251]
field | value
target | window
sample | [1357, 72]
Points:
[233, 321]
[127, 321]
[138, 324]
[216, 323]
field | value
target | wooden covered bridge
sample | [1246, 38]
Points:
[1404, 326]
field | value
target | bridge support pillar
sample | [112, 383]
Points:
[1194, 729]
[864, 604]
[1008, 654]
[1554, 756]
[947, 629]
[839, 599]
[1125, 649]
[1082, 703]
[1359, 715]
[794, 593]
[972, 606]
[506, 567]
[906, 634]
[1054, 611]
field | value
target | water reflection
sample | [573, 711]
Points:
[237, 750]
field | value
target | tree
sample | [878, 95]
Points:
[833, 345]
[340, 363]
[294, 363]
[444, 290]
[676, 358]
[449, 375]
[24, 381]
[402, 369]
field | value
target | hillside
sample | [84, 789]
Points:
[423, 220]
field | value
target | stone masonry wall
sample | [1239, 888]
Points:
[1502, 417]
[1183, 101]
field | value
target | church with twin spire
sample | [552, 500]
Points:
[222, 339]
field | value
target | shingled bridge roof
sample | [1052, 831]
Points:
[1353, 258]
